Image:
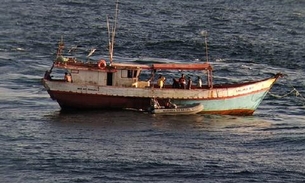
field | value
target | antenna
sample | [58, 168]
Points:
[111, 33]
[209, 78]
[109, 39]
[205, 34]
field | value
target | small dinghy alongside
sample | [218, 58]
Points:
[172, 109]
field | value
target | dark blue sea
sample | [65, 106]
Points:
[246, 40]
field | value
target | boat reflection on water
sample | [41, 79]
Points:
[132, 120]
[212, 123]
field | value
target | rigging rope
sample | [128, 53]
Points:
[294, 90]
[279, 96]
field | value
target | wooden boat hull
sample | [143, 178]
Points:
[183, 110]
[235, 99]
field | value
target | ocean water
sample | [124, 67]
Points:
[246, 40]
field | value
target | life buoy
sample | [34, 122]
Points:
[101, 64]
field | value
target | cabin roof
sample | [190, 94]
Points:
[180, 66]
[128, 66]
[165, 66]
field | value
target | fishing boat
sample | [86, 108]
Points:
[127, 85]
[117, 86]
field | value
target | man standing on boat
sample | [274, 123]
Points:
[182, 81]
[189, 83]
[160, 81]
[199, 82]
[67, 77]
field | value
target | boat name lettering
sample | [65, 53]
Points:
[82, 88]
[89, 89]
[177, 110]
[244, 89]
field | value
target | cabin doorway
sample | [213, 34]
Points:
[109, 78]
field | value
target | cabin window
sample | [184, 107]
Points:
[129, 73]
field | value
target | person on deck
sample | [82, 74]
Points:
[160, 81]
[68, 77]
[175, 83]
[199, 82]
[47, 75]
[170, 105]
[154, 103]
[189, 83]
[182, 81]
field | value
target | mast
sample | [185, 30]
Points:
[206, 46]
[112, 31]
[210, 77]
[61, 46]
[205, 34]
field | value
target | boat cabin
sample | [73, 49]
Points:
[122, 74]
[118, 74]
